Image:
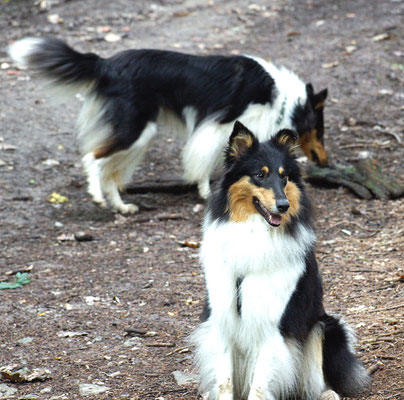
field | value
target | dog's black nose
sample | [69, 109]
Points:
[282, 205]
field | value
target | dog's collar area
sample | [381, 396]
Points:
[272, 219]
[281, 112]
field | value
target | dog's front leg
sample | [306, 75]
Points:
[224, 377]
[274, 372]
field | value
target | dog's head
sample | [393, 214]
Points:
[262, 178]
[308, 120]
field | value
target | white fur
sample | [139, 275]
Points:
[21, 50]
[92, 130]
[245, 357]
[116, 170]
[92, 170]
[251, 347]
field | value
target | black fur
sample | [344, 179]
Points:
[239, 281]
[60, 62]
[344, 372]
[305, 308]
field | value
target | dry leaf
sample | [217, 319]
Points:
[20, 375]
[181, 14]
[65, 237]
[56, 198]
[349, 50]
[104, 29]
[330, 65]
[381, 37]
[190, 243]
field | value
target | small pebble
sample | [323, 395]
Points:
[83, 236]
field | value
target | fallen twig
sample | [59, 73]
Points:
[171, 186]
[161, 217]
[388, 308]
[375, 367]
[135, 331]
[157, 344]
[179, 350]
[395, 135]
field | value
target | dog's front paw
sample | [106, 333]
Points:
[127, 208]
[329, 395]
[257, 394]
[100, 202]
[225, 391]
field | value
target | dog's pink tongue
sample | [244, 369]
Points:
[276, 219]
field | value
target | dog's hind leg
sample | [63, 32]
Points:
[92, 170]
[311, 378]
[117, 169]
[329, 395]
[202, 154]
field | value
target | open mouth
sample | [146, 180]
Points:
[272, 219]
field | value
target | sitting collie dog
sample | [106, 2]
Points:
[127, 94]
[265, 334]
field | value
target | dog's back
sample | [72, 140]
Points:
[266, 334]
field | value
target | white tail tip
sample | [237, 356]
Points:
[21, 50]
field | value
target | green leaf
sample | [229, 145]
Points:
[21, 279]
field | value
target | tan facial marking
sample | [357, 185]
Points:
[241, 194]
[265, 169]
[319, 105]
[309, 142]
[292, 193]
[281, 171]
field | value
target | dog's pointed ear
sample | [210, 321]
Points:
[288, 138]
[317, 100]
[309, 90]
[241, 140]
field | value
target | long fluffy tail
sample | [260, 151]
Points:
[55, 60]
[343, 371]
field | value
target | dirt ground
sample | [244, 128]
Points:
[115, 311]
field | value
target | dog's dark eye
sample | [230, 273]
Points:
[260, 175]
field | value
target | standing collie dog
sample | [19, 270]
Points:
[125, 96]
[265, 334]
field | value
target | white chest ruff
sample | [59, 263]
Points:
[266, 263]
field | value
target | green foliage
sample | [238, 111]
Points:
[21, 279]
